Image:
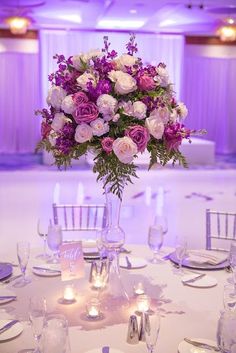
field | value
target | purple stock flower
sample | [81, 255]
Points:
[103, 87]
[85, 113]
[107, 143]
[139, 135]
[174, 134]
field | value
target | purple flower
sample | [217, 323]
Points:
[80, 98]
[174, 134]
[107, 143]
[85, 113]
[103, 87]
[45, 129]
[139, 135]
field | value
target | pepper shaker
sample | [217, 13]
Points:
[132, 335]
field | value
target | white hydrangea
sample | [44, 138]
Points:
[58, 122]
[68, 105]
[56, 94]
[182, 110]
[164, 75]
[161, 113]
[139, 110]
[107, 105]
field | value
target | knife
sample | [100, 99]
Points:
[105, 349]
[129, 265]
[46, 269]
[3, 297]
[193, 279]
[202, 345]
[8, 326]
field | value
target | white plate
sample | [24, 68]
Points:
[204, 282]
[14, 331]
[99, 350]
[46, 273]
[136, 262]
[185, 347]
[5, 292]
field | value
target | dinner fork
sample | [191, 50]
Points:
[10, 279]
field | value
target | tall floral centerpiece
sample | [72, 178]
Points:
[118, 108]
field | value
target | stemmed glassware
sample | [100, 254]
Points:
[37, 312]
[55, 334]
[23, 253]
[42, 229]
[180, 251]
[54, 240]
[232, 262]
[230, 297]
[155, 241]
[151, 328]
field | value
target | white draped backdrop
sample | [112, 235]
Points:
[205, 84]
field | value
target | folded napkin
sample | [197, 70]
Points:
[207, 257]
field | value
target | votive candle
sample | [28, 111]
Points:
[69, 293]
[143, 303]
[139, 289]
[93, 308]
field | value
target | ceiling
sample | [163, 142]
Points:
[196, 17]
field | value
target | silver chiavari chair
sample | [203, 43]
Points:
[220, 229]
[79, 218]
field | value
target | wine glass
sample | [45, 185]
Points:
[230, 297]
[161, 220]
[37, 312]
[232, 261]
[151, 328]
[54, 240]
[55, 334]
[42, 229]
[155, 241]
[180, 251]
[23, 253]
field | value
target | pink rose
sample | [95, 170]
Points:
[79, 98]
[86, 112]
[139, 135]
[146, 83]
[107, 143]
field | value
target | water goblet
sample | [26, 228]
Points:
[232, 262]
[42, 229]
[230, 297]
[180, 251]
[155, 241]
[37, 312]
[151, 329]
[54, 240]
[23, 253]
[161, 220]
[54, 337]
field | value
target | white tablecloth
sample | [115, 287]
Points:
[185, 311]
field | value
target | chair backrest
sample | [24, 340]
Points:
[79, 217]
[220, 229]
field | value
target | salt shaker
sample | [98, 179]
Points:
[132, 335]
[144, 326]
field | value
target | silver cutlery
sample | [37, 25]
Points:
[202, 345]
[46, 269]
[3, 297]
[11, 279]
[8, 326]
[105, 349]
[129, 265]
[193, 279]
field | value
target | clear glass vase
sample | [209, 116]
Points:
[113, 238]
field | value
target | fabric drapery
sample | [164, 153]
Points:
[20, 90]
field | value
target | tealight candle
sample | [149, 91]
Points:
[139, 289]
[143, 303]
[98, 281]
[93, 308]
[69, 293]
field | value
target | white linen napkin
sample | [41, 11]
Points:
[207, 257]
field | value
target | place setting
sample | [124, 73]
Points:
[10, 329]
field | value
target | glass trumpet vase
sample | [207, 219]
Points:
[113, 238]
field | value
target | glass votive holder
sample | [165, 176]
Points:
[139, 289]
[143, 303]
[98, 281]
[68, 294]
[93, 309]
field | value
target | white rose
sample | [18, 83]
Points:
[162, 113]
[140, 110]
[112, 75]
[68, 105]
[155, 127]
[94, 53]
[56, 94]
[99, 127]
[84, 79]
[79, 62]
[83, 133]
[174, 116]
[125, 60]
[164, 76]
[124, 149]
[107, 104]
[58, 121]
[125, 83]
[182, 110]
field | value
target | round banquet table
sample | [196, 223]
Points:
[185, 311]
